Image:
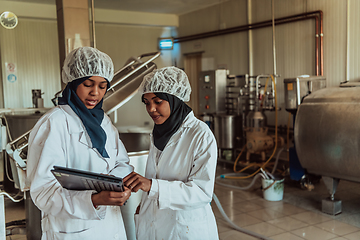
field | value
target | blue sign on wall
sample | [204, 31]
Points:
[11, 77]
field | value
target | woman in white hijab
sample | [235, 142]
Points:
[180, 172]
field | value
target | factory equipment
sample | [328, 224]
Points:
[326, 137]
[234, 106]
[227, 131]
[17, 122]
[38, 102]
[124, 85]
[212, 86]
[296, 89]
[127, 80]
[218, 103]
[257, 139]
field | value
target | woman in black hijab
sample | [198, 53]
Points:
[180, 171]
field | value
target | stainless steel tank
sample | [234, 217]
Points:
[18, 124]
[327, 132]
[228, 131]
[256, 119]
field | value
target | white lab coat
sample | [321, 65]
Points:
[178, 204]
[59, 138]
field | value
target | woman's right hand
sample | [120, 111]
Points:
[110, 198]
[135, 182]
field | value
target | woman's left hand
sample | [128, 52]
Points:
[135, 181]
[110, 198]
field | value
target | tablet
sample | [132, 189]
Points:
[74, 179]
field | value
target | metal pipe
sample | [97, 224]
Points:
[347, 41]
[257, 103]
[250, 39]
[273, 37]
[22, 136]
[247, 27]
[294, 18]
[321, 44]
[257, 93]
[274, 49]
[93, 22]
[317, 35]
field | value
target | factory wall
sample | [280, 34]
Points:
[252, 53]
[33, 48]
[32, 45]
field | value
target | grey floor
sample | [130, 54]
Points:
[297, 216]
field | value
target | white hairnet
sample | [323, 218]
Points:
[171, 80]
[87, 62]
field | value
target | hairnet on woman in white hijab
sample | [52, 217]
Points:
[80, 65]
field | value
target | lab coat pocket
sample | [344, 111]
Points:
[85, 234]
[192, 224]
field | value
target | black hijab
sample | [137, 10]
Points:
[91, 118]
[178, 112]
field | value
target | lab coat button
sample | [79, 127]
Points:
[116, 236]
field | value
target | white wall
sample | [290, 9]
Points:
[33, 47]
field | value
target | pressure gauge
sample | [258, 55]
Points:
[8, 20]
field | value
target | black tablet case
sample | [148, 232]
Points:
[74, 179]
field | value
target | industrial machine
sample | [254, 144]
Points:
[218, 103]
[15, 123]
[38, 102]
[296, 89]
[327, 137]
[234, 107]
[324, 133]
[212, 86]
[258, 141]
[124, 85]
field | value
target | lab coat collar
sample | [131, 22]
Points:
[74, 122]
[189, 120]
[75, 125]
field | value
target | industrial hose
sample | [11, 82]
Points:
[233, 225]
[237, 187]
[235, 175]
